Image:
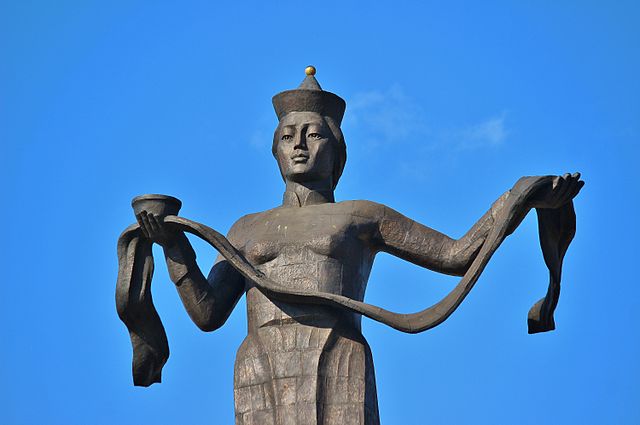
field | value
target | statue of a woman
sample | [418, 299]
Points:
[309, 363]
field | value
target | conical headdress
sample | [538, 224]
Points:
[309, 97]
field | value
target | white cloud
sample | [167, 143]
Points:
[488, 133]
[381, 118]
[392, 126]
[386, 117]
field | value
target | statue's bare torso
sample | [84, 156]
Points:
[327, 248]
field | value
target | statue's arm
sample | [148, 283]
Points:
[412, 241]
[407, 239]
[208, 301]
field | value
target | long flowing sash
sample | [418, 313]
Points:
[148, 337]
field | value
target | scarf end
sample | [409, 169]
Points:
[540, 320]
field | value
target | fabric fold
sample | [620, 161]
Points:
[556, 228]
[135, 307]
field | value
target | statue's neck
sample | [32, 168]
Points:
[304, 194]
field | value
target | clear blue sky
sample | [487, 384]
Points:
[448, 104]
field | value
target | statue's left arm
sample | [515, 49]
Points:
[426, 247]
[412, 241]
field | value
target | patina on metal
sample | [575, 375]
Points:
[304, 268]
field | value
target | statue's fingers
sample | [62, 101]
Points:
[563, 194]
[147, 225]
[565, 190]
[577, 188]
[573, 178]
[153, 222]
[558, 188]
[142, 224]
[573, 187]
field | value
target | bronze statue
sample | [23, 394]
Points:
[304, 268]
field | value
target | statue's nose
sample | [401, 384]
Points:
[301, 141]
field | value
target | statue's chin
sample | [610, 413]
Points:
[305, 176]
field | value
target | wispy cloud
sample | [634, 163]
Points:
[384, 117]
[394, 126]
[391, 117]
[489, 133]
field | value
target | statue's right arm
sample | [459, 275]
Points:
[208, 301]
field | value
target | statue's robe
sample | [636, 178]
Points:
[295, 373]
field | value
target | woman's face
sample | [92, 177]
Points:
[305, 148]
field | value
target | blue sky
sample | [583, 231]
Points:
[448, 104]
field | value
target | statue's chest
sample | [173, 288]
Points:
[298, 237]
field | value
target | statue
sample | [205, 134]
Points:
[304, 267]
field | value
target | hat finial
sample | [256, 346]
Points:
[310, 70]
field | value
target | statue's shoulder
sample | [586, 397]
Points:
[242, 227]
[362, 208]
[248, 219]
[247, 222]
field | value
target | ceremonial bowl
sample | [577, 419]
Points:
[158, 205]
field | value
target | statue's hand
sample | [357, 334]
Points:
[562, 190]
[154, 228]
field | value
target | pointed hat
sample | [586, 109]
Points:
[309, 97]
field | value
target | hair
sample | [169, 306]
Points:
[340, 156]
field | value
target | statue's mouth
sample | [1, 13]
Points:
[300, 158]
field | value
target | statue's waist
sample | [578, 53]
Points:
[274, 313]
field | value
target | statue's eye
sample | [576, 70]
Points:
[287, 137]
[315, 136]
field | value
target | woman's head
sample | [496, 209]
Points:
[309, 148]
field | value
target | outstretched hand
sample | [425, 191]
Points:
[156, 230]
[562, 190]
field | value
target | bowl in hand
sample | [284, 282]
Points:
[158, 205]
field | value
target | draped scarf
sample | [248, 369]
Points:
[148, 337]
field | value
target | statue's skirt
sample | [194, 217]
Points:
[294, 373]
